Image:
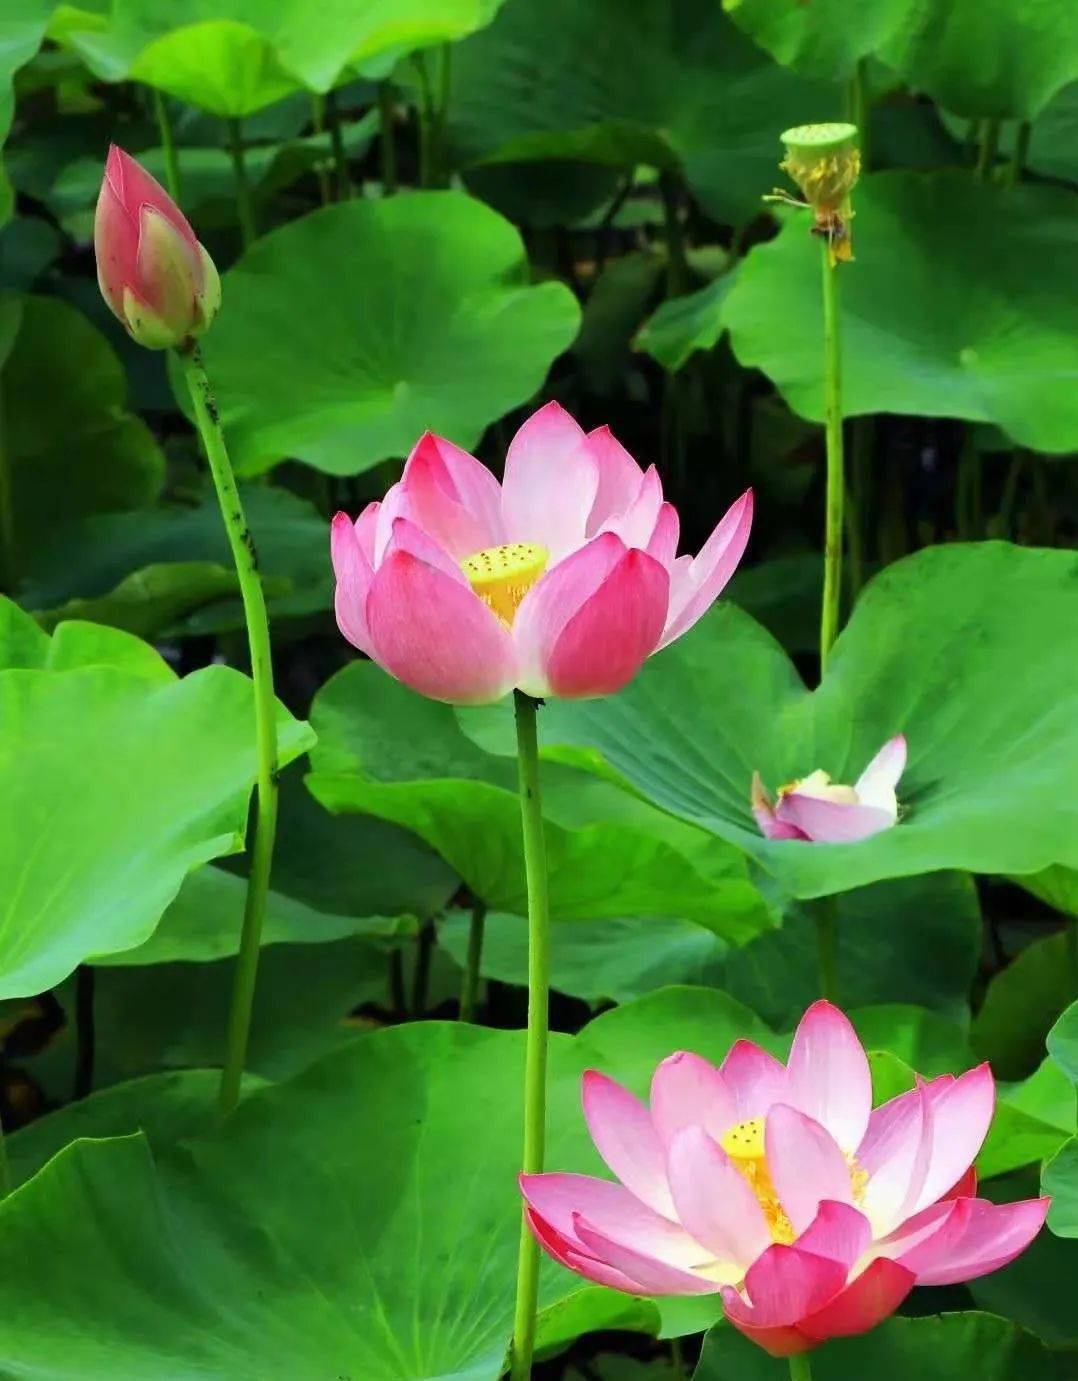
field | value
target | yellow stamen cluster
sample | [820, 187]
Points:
[502, 576]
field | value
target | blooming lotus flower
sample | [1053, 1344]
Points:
[781, 1187]
[561, 580]
[153, 273]
[817, 809]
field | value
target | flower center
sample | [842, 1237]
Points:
[502, 576]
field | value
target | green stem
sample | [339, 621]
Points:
[677, 265]
[825, 912]
[168, 146]
[445, 92]
[5, 1169]
[987, 144]
[800, 1367]
[318, 123]
[336, 139]
[258, 640]
[469, 988]
[1020, 152]
[8, 556]
[1009, 497]
[421, 973]
[425, 115]
[387, 147]
[244, 206]
[531, 816]
[862, 436]
[860, 111]
[836, 483]
[84, 1031]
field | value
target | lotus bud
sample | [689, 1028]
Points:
[153, 273]
[824, 161]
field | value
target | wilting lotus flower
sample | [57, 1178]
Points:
[780, 1186]
[153, 273]
[817, 809]
[559, 581]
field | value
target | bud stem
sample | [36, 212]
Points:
[168, 146]
[258, 639]
[800, 1367]
[244, 207]
[836, 482]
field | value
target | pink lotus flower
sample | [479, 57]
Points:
[153, 273]
[780, 1186]
[561, 581]
[817, 809]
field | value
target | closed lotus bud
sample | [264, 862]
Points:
[152, 271]
[824, 161]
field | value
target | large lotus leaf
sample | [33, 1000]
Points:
[153, 600]
[940, 1348]
[71, 447]
[23, 645]
[115, 786]
[24, 28]
[353, 330]
[683, 325]
[388, 752]
[1033, 1119]
[1060, 1180]
[1063, 1042]
[217, 54]
[364, 1179]
[825, 39]
[1020, 1005]
[936, 320]
[970, 651]
[671, 85]
[1056, 887]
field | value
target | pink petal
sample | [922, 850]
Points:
[895, 1155]
[571, 1255]
[436, 635]
[664, 538]
[984, 1237]
[771, 827]
[914, 1243]
[806, 1165]
[838, 1232]
[366, 526]
[134, 188]
[619, 477]
[756, 1079]
[461, 523]
[615, 630]
[865, 1302]
[553, 600]
[609, 1208]
[876, 784]
[688, 1091]
[709, 573]
[624, 1136]
[831, 822]
[636, 524]
[783, 1286]
[354, 576]
[714, 1200]
[966, 1187]
[655, 1277]
[829, 1077]
[393, 506]
[961, 1115]
[550, 483]
[408, 537]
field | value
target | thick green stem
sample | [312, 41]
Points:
[469, 988]
[859, 110]
[244, 205]
[825, 912]
[836, 482]
[84, 1031]
[387, 146]
[535, 1059]
[987, 144]
[336, 139]
[421, 973]
[318, 124]
[258, 640]
[1020, 152]
[800, 1367]
[168, 147]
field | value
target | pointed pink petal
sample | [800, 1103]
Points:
[829, 1077]
[806, 1165]
[914, 1243]
[709, 573]
[831, 822]
[656, 1277]
[714, 1200]
[876, 784]
[688, 1091]
[664, 538]
[838, 1232]
[986, 1237]
[576, 1259]
[550, 483]
[961, 1113]
[553, 600]
[558, 1198]
[756, 1079]
[895, 1155]
[771, 827]
[624, 1136]
[393, 506]
[784, 1285]
[436, 635]
[864, 1303]
[408, 537]
[436, 503]
[636, 524]
[366, 526]
[354, 576]
[619, 477]
[614, 631]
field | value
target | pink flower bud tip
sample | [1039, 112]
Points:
[152, 271]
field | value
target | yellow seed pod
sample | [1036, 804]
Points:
[825, 161]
